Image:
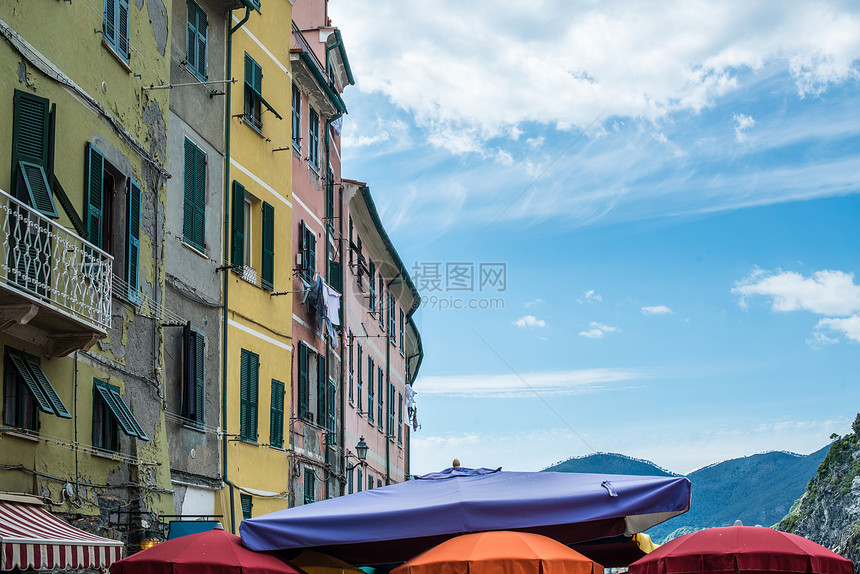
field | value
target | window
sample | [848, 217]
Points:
[313, 138]
[308, 250]
[193, 376]
[330, 405]
[241, 233]
[303, 382]
[358, 482]
[378, 483]
[369, 482]
[392, 320]
[391, 394]
[358, 379]
[349, 479]
[195, 54]
[329, 198]
[276, 419]
[321, 389]
[110, 411]
[372, 283]
[297, 118]
[399, 418]
[247, 505]
[267, 266]
[370, 389]
[117, 23]
[32, 151]
[26, 389]
[107, 192]
[194, 215]
[380, 420]
[253, 93]
[402, 324]
[310, 480]
[249, 371]
[350, 365]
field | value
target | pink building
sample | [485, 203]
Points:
[355, 346]
[383, 347]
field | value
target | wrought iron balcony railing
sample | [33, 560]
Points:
[53, 266]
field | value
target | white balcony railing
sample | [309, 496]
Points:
[54, 266]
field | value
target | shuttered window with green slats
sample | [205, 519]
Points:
[321, 379]
[330, 405]
[193, 376]
[313, 138]
[303, 381]
[132, 262]
[27, 384]
[31, 150]
[237, 218]
[310, 485]
[350, 366]
[247, 505]
[253, 93]
[110, 410]
[194, 211]
[358, 382]
[268, 242]
[249, 371]
[276, 418]
[297, 117]
[117, 23]
[380, 420]
[195, 55]
[370, 389]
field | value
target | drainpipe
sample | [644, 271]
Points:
[344, 335]
[226, 257]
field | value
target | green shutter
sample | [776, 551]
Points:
[380, 419]
[335, 276]
[93, 190]
[268, 267]
[199, 377]
[330, 405]
[321, 382]
[119, 410]
[38, 393]
[194, 207]
[238, 218]
[369, 389]
[133, 239]
[191, 35]
[358, 384]
[303, 381]
[196, 40]
[54, 398]
[202, 30]
[109, 28]
[37, 190]
[247, 505]
[312, 254]
[30, 136]
[124, 25]
[276, 420]
[248, 380]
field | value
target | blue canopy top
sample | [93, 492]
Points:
[393, 523]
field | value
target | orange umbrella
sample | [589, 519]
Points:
[500, 552]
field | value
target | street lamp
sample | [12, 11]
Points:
[360, 453]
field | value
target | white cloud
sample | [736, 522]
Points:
[547, 383]
[449, 64]
[850, 327]
[590, 296]
[656, 310]
[597, 330]
[742, 124]
[537, 301]
[824, 292]
[529, 322]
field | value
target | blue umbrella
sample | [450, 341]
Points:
[393, 523]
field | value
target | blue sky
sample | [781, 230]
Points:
[671, 193]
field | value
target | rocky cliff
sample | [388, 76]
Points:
[829, 510]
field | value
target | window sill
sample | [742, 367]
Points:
[105, 454]
[118, 57]
[23, 434]
[251, 124]
[248, 441]
[194, 249]
[192, 426]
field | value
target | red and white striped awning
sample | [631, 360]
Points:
[32, 537]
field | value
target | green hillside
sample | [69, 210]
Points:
[757, 489]
[609, 463]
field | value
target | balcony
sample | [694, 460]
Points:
[55, 287]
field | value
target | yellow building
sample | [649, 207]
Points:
[81, 279]
[257, 334]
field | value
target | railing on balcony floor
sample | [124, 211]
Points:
[53, 265]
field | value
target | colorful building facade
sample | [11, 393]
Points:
[82, 284]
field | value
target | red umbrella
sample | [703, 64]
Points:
[741, 549]
[500, 552]
[212, 552]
